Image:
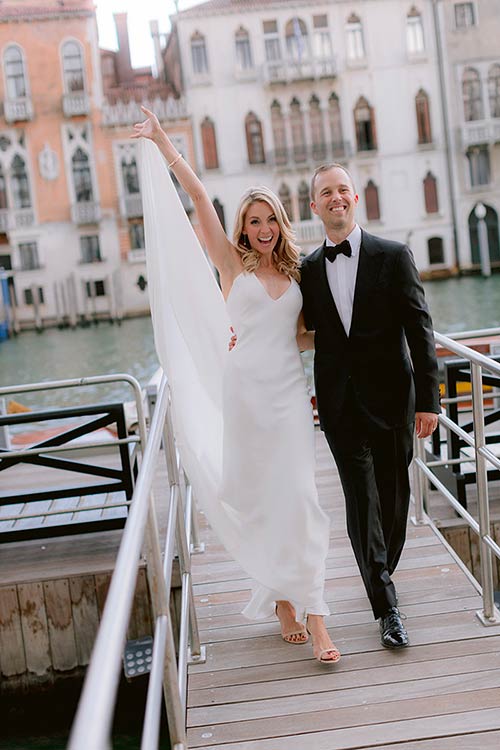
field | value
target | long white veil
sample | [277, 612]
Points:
[191, 330]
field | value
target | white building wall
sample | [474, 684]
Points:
[388, 78]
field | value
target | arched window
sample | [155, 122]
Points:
[244, 58]
[279, 134]
[354, 38]
[335, 125]
[285, 198]
[322, 41]
[494, 90]
[471, 94]
[219, 210]
[20, 184]
[72, 60]
[209, 143]
[199, 58]
[478, 158]
[82, 179]
[430, 194]
[3, 190]
[414, 32]
[372, 202]
[298, 132]
[15, 74]
[364, 120]
[491, 221]
[436, 250]
[130, 176]
[297, 42]
[317, 129]
[304, 202]
[255, 140]
[423, 117]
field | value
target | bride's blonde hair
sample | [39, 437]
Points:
[286, 254]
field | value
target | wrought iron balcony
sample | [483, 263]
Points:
[18, 109]
[477, 132]
[307, 69]
[86, 212]
[76, 103]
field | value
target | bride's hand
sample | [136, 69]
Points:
[150, 128]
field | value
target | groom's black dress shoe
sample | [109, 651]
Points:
[392, 630]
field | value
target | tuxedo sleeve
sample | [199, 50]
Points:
[419, 334]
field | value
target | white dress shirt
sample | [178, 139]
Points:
[341, 275]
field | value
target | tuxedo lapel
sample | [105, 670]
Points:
[325, 293]
[369, 265]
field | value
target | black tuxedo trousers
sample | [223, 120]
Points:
[373, 466]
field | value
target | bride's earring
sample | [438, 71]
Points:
[244, 238]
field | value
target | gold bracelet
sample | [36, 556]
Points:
[179, 156]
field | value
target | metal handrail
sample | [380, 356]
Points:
[93, 720]
[489, 615]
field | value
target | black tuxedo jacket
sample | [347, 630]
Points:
[389, 355]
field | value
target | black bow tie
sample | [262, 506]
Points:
[331, 251]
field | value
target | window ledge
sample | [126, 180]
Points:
[201, 79]
[357, 63]
[417, 57]
[480, 188]
[137, 256]
[27, 270]
[426, 146]
[91, 262]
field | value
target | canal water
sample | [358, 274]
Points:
[456, 305]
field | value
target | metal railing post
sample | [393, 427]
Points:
[418, 482]
[487, 615]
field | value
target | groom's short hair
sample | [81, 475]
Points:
[326, 168]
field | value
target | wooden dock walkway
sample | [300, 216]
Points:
[256, 692]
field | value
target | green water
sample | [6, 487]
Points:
[456, 305]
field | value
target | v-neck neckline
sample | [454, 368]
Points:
[273, 299]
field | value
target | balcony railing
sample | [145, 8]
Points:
[306, 155]
[308, 69]
[16, 218]
[310, 232]
[19, 109]
[86, 212]
[128, 111]
[132, 206]
[76, 103]
[4, 220]
[477, 132]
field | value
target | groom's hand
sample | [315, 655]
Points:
[425, 423]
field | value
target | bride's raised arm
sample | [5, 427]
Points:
[220, 250]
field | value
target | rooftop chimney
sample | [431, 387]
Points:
[123, 64]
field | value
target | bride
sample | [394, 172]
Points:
[266, 512]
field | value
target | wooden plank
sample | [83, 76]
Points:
[360, 722]
[328, 701]
[479, 741]
[286, 670]
[85, 615]
[140, 623]
[347, 676]
[60, 624]
[462, 723]
[12, 657]
[101, 589]
[34, 627]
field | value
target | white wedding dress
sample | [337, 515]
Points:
[242, 420]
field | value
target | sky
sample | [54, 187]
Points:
[139, 14]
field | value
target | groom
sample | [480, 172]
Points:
[376, 378]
